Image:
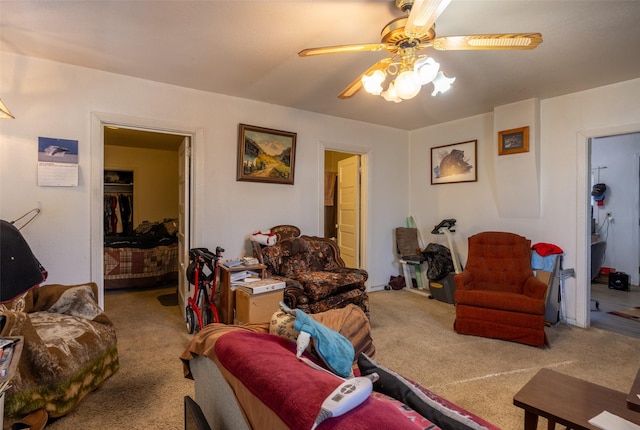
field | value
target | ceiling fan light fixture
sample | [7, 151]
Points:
[423, 14]
[373, 83]
[390, 94]
[406, 85]
[499, 42]
[426, 69]
[442, 83]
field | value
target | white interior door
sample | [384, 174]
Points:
[184, 175]
[349, 210]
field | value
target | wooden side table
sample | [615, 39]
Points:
[227, 298]
[569, 401]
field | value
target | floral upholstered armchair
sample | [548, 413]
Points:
[316, 277]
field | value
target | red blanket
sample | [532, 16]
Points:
[267, 367]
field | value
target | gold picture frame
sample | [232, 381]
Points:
[265, 155]
[513, 141]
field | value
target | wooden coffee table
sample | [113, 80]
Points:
[633, 401]
[569, 401]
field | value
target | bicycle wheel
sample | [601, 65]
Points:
[190, 320]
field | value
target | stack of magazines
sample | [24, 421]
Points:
[7, 347]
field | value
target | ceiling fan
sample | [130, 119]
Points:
[404, 37]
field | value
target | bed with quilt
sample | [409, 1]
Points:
[146, 259]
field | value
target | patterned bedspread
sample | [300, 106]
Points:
[140, 267]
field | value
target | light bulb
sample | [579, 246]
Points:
[406, 85]
[373, 83]
[426, 69]
[441, 83]
[390, 94]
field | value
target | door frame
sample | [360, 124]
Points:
[96, 179]
[365, 178]
[583, 217]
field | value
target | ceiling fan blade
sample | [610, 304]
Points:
[355, 86]
[423, 15]
[488, 41]
[342, 48]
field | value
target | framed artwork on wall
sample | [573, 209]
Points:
[453, 163]
[513, 141]
[265, 155]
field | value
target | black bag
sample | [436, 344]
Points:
[397, 282]
[438, 258]
[619, 281]
[20, 270]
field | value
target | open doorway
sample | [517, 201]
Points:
[155, 162]
[615, 244]
[141, 211]
[344, 204]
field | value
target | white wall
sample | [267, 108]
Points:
[57, 100]
[566, 123]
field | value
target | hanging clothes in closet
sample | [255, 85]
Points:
[118, 213]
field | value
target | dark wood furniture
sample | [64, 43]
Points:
[568, 401]
[633, 401]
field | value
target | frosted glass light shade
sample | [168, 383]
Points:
[390, 94]
[406, 85]
[441, 83]
[373, 83]
[426, 69]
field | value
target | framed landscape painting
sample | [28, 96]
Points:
[265, 155]
[454, 163]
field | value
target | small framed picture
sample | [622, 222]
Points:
[454, 163]
[265, 155]
[513, 141]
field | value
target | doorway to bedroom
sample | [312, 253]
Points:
[142, 204]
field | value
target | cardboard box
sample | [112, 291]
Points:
[256, 308]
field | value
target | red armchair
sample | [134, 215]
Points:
[497, 294]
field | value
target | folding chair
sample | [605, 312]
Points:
[410, 257]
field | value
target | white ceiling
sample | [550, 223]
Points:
[248, 49]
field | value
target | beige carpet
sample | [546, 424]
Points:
[148, 390]
[413, 335]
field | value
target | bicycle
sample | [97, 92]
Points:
[202, 273]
